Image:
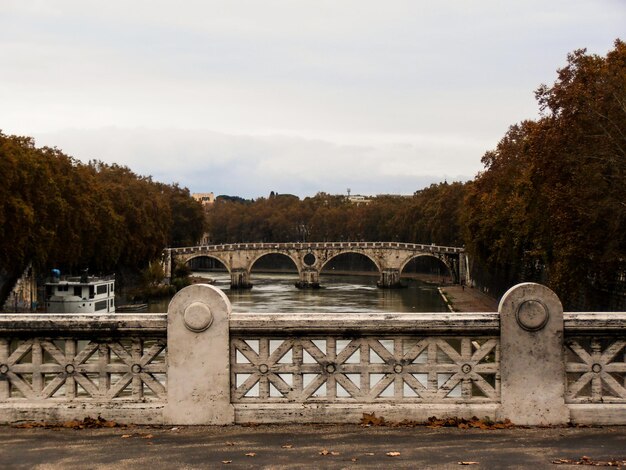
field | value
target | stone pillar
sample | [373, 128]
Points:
[456, 269]
[167, 263]
[532, 367]
[198, 358]
[463, 270]
[389, 279]
[240, 279]
[309, 279]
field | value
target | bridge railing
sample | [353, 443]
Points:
[201, 364]
[319, 246]
[61, 366]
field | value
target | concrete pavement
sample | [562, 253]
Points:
[308, 446]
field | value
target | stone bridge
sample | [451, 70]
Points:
[310, 258]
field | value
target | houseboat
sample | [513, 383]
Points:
[81, 294]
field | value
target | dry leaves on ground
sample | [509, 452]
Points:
[87, 423]
[473, 422]
[370, 419]
[137, 434]
[584, 460]
[392, 454]
[328, 452]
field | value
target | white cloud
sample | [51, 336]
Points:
[388, 96]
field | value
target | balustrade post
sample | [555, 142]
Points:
[532, 366]
[198, 358]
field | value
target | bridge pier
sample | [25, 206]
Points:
[240, 279]
[390, 279]
[309, 279]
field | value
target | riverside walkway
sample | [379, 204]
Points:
[467, 299]
[310, 446]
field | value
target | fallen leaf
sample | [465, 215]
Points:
[147, 436]
[126, 436]
[370, 453]
[174, 429]
[334, 453]
[250, 454]
[372, 420]
[354, 459]
[228, 443]
[324, 452]
[468, 463]
[287, 446]
[226, 461]
[392, 454]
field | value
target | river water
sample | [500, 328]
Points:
[276, 293]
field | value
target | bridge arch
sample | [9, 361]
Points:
[347, 252]
[294, 260]
[224, 263]
[442, 260]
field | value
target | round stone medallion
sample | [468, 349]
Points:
[532, 315]
[309, 259]
[263, 369]
[330, 368]
[197, 317]
[135, 368]
[597, 368]
[397, 368]
[4, 369]
[466, 368]
[70, 368]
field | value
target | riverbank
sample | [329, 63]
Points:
[467, 299]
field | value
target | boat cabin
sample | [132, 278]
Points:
[85, 294]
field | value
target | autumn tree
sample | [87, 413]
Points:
[552, 194]
[58, 212]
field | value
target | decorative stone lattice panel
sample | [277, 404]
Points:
[365, 370]
[129, 369]
[596, 370]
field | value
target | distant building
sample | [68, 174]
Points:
[206, 199]
[358, 199]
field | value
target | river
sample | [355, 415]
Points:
[276, 293]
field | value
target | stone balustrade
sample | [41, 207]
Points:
[202, 364]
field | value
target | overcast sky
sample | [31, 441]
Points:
[247, 97]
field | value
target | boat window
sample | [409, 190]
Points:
[63, 288]
[91, 292]
[112, 287]
[78, 291]
[101, 289]
[101, 305]
[48, 291]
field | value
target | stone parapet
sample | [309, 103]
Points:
[201, 364]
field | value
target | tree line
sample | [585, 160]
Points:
[549, 206]
[58, 212]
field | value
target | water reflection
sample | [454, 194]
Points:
[340, 294]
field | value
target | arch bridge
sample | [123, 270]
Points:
[310, 258]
